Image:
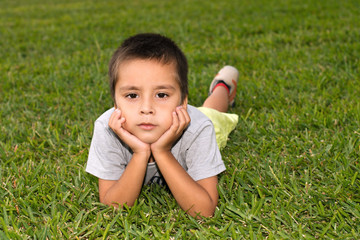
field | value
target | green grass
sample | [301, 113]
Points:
[292, 162]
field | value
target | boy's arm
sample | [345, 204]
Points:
[194, 197]
[127, 188]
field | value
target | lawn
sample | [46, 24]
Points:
[292, 161]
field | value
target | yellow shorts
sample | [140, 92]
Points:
[223, 123]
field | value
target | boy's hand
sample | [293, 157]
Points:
[181, 120]
[137, 146]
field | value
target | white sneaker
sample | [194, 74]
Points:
[228, 75]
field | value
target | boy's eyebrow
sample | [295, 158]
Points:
[167, 86]
[126, 88]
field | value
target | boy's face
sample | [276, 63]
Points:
[147, 93]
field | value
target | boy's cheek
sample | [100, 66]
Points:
[126, 127]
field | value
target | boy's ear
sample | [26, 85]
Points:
[185, 102]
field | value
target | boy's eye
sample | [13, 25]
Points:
[131, 95]
[162, 95]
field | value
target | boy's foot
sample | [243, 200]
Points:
[228, 77]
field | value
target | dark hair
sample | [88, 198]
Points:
[150, 46]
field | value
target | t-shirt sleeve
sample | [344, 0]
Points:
[106, 159]
[203, 158]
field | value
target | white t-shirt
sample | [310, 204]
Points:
[196, 151]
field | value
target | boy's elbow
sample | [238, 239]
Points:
[106, 202]
[204, 212]
[114, 203]
[207, 214]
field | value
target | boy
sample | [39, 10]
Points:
[153, 135]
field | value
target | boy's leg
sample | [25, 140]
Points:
[218, 100]
[223, 89]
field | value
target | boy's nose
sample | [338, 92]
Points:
[147, 111]
[146, 108]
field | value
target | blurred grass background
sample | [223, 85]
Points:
[292, 162]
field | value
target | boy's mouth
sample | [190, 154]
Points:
[147, 126]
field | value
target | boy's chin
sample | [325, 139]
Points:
[148, 140]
